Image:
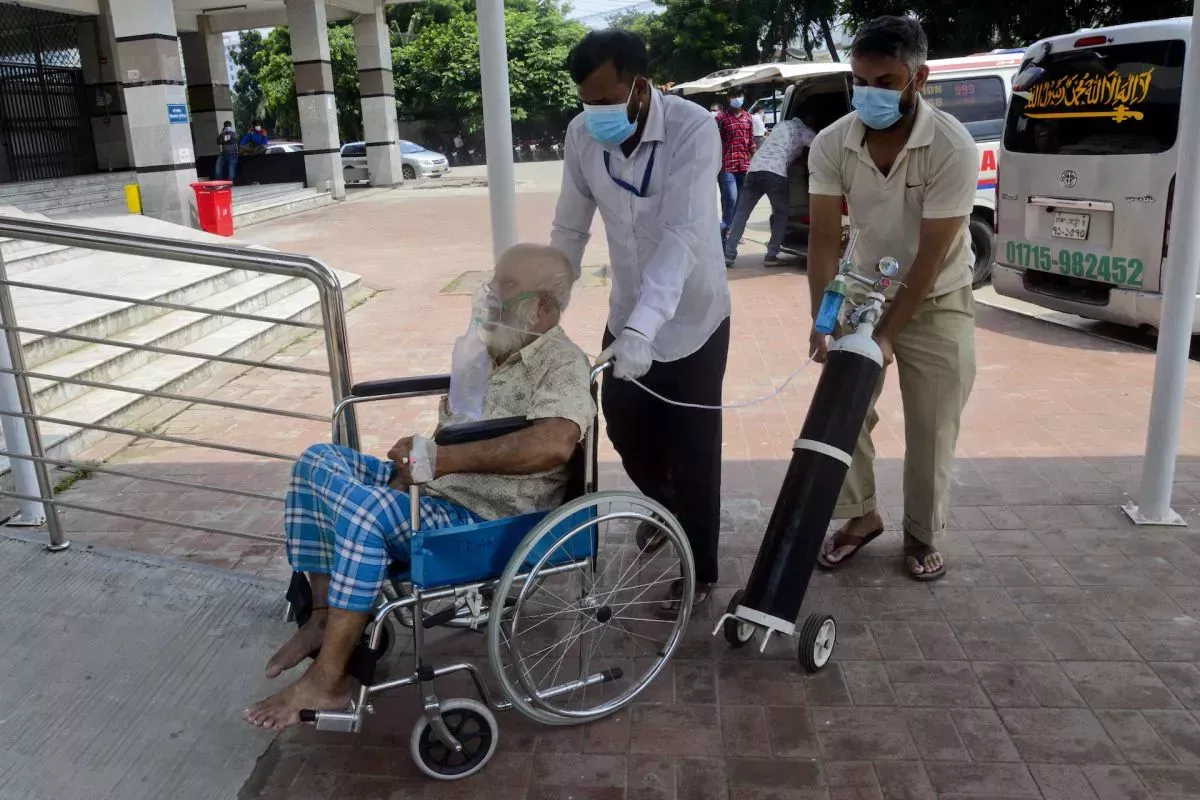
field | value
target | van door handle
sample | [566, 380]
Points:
[1077, 205]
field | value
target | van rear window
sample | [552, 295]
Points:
[978, 103]
[1121, 99]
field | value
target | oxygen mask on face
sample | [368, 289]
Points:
[471, 363]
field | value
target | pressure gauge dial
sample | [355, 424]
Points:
[888, 267]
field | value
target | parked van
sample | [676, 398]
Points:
[1088, 172]
[974, 89]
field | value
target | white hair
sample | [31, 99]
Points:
[550, 271]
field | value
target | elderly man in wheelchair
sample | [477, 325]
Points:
[489, 521]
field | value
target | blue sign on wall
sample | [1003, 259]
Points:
[177, 113]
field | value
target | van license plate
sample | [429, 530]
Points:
[1071, 226]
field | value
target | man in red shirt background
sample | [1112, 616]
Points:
[737, 146]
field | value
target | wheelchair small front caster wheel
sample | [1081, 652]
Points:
[817, 639]
[472, 724]
[737, 633]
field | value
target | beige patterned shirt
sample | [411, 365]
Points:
[548, 378]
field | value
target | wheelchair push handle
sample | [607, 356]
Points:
[599, 369]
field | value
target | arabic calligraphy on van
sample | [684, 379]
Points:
[1090, 95]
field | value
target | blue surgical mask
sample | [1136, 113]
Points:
[736, 103]
[609, 123]
[879, 109]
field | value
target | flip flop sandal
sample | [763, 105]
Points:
[918, 551]
[857, 542]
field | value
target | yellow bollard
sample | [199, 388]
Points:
[133, 198]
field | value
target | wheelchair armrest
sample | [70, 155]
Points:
[482, 430]
[416, 386]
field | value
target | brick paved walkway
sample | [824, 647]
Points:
[1058, 658]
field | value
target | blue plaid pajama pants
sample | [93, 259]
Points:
[343, 520]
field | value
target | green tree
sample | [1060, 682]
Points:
[956, 28]
[275, 74]
[437, 69]
[247, 93]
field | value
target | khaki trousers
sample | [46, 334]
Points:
[935, 355]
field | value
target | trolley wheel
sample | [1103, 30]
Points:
[588, 630]
[817, 639]
[737, 633]
[472, 724]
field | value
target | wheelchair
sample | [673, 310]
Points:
[565, 598]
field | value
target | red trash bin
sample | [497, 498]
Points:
[214, 205]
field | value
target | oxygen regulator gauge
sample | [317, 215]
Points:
[888, 267]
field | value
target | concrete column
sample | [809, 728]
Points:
[314, 95]
[497, 124]
[373, 43]
[152, 83]
[207, 85]
[105, 105]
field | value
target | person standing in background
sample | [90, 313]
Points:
[737, 146]
[227, 156]
[760, 128]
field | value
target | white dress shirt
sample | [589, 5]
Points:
[667, 266]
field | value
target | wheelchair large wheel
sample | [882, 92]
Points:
[588, 629]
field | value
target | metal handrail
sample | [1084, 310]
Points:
[252, 259]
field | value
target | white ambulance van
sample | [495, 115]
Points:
[1087, 172]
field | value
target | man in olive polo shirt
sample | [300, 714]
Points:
[908, 172]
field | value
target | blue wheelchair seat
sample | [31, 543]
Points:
[442, 557]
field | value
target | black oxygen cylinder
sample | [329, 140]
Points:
[820, 461]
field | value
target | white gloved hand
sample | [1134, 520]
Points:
[631, 353]
[422, 460]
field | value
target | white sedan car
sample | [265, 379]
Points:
[417, 162]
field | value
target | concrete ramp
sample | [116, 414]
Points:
[124, 677]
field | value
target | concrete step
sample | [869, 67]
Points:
[108, 273]
[34, 255]
[239, 338]
[60, 187]
[23, 256]
[263, 191]
[176, 330]
[280, 206]
[100, 204]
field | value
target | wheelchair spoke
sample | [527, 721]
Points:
[630, 634]
[558, 638]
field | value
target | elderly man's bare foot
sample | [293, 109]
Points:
[283, 709]
[304, 643]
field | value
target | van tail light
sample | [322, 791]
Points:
[1167, 225]
[1091, 41]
